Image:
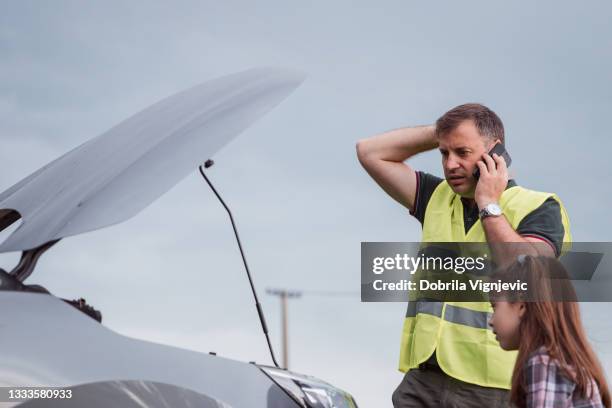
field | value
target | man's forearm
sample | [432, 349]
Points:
[506, 244]
[399, 144]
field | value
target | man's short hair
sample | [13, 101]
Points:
[487, 122]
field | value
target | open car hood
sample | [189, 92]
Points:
[112, 177]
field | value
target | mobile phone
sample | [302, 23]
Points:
[501, 151]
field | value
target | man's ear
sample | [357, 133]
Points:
[490, 143]
[494, 142]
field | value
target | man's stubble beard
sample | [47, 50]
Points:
[465, 192]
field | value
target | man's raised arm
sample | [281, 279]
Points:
[383, 155]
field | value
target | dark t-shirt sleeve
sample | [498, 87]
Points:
[426, 184]
[545, 223]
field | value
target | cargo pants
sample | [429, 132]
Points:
[428, 387]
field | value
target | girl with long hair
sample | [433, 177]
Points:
[555, 365]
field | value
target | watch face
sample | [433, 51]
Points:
[493, 209]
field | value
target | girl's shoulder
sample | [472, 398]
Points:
[540, 354]
[547, 381]
[542, 372]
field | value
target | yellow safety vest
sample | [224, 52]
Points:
[465, 346]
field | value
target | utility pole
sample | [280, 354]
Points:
[284, 295]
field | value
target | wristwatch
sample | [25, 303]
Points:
[490, 210]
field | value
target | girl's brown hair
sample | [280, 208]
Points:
[552, 319]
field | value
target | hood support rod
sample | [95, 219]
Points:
[262, 319]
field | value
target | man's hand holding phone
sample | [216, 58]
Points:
[492, 181]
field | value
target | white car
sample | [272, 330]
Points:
[104, 181]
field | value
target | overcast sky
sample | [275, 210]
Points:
[173, 274]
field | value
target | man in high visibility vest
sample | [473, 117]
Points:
[449, 353]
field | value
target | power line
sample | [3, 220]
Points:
[285, 295]
[332, 293]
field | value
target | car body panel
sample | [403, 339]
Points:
[46, 342]
[122, 394]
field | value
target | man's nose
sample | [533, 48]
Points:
[451, 163]
[491, 322]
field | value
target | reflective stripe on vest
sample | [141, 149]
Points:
[452, 313]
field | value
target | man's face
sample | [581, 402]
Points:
[461, 148]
